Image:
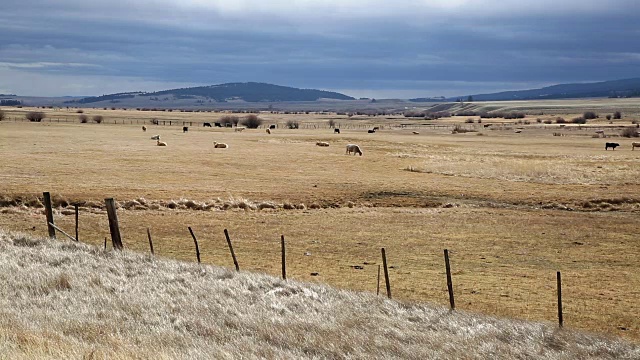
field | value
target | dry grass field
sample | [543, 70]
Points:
[513, 208]
[62, 300]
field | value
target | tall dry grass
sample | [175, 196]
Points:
[69, 300]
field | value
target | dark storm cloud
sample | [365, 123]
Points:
[444, 48]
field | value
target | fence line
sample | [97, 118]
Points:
[117, 245]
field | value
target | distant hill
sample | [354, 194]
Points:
[429, 99]
[249, 92]
[614, 88]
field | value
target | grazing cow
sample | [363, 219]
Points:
[336, 131]
[322, 143]
[353, 148]
[268, 131]
[635, 145]
[416, 133]
[371, 131]
[185, 129]
[144, 128]
[611, 145]
[486, 125]
[155, 137]
[272, 126]
[217, 124]
[376, 128]
[206, 124]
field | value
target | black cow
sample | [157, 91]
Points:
[613, 146]
[376, 128]
[206, 124]
[185, 129]
[336, 131]
[272, 126]
[217, 124]
[371, 131]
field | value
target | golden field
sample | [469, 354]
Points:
[512, 208]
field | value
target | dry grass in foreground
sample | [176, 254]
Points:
[67, 300]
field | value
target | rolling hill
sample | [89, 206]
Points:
[614, 88]
[70, 300]
[249, 92]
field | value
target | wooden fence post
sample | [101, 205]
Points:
[75, 206]
[449, 282]
[378, 286]
[284, 258]
[49, 212]
[386, 273]
[105, 243]
[150, 242]
[233, 255]
[559, 279]
[195, 241]
[114, 227]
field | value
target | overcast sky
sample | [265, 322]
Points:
[364, 48]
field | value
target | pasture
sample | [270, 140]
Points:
[512, 208]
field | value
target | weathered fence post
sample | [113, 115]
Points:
[284, 258]
[449, 282]
[559, 279]
[114, 228]
[195, 241]
[150, 242]
[233, 255]
[378, 286]
[75, 207]
[105, 243]
[386, 273]
[49, 212]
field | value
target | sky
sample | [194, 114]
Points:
[363, 48]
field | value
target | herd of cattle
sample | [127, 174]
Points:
[351, 148]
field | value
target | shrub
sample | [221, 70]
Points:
[548, 121]
[589, 115]
[527, 122]
[1, 115]
[630, 132]
[97, 119]
[83, 119]
[617, 115]
[252, 121]
[229, 119]
[579, 120]
[560, 120]
[80, 111]
[469, 121]
[332, 123]
[35, 116]
[113, 108]
[608, 117]
[466, 113]
[538, 120]
[458, 129]
[514, 115]
[292, 124]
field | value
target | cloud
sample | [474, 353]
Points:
[368, 45]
